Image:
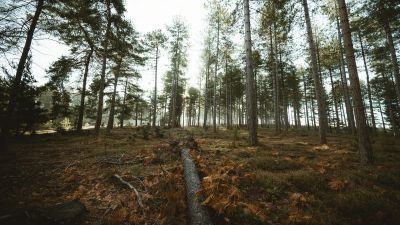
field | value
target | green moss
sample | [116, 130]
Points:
[272, 164]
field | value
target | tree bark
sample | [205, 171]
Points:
[215, 80]
[197, 213]
[110, 123]
[368, 85]
[103, 71]
[83, 94]
[155, 91]
[227, 120]
[206, 101]
[305, 99]
[275, 82]
[334, 101]
[317, 81]
[347, 102]
[365, 147]
[250, 94]
[123, 104]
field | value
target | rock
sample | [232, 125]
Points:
[64, 211]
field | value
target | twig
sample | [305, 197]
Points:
[139, 199]
[141, 182]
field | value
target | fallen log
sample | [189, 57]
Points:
[197, 213]
[139, 199]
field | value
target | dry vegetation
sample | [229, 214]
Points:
[288, 179]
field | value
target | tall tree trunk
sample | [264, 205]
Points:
[199, 110]
[219, 106]
[136, 112]
[275, 83]
[347, 102]
[228, 126]
[110, 123]
[103, 72]
[155, 91]
[284, 100]
[334, 101]
[364, 144]
[395, 64]
[382, 118]
[175, 89]
[215, 80]
[83, 93]
[305, 99]
[123, 104]
[368, 85]
[317, 81]
[250, 94]
[206, 101]
[15, 86]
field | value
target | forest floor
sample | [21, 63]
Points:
[287, 179]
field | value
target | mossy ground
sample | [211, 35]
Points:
[296, 180]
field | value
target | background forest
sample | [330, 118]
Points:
[274, 74]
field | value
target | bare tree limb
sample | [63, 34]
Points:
[139, 199]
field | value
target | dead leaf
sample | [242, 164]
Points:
[337, 184]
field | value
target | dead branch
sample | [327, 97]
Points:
[139, 199]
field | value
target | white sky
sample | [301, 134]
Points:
[146, 16]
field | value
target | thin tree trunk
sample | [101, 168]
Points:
[334, 101]
[228, 126]
[83, 94]
[175, 88]
[103, 72]
[305, 99]
[317, 81]
[368, 85]
[15, 86]
[250, 94]
[219, 106]
[155, 91]
[275, 84]
[136, 112]
[206, 101]
[365, 147]
[110, 123]
[382, 118]
[198, 113]
[123, 104]
[215, 81]
[347, 102]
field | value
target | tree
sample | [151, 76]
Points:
[127, 50]
[206, 57]
[28, 113]
[368, 83]
[317, 82]
[387, 13]
[178, 37]
[109, 17]
[250, 92]
[193, 97]
[156, 41]
[59, 74]
[364, 144]
[78, 26]
[20, 68]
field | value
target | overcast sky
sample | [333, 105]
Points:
[146, 16]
